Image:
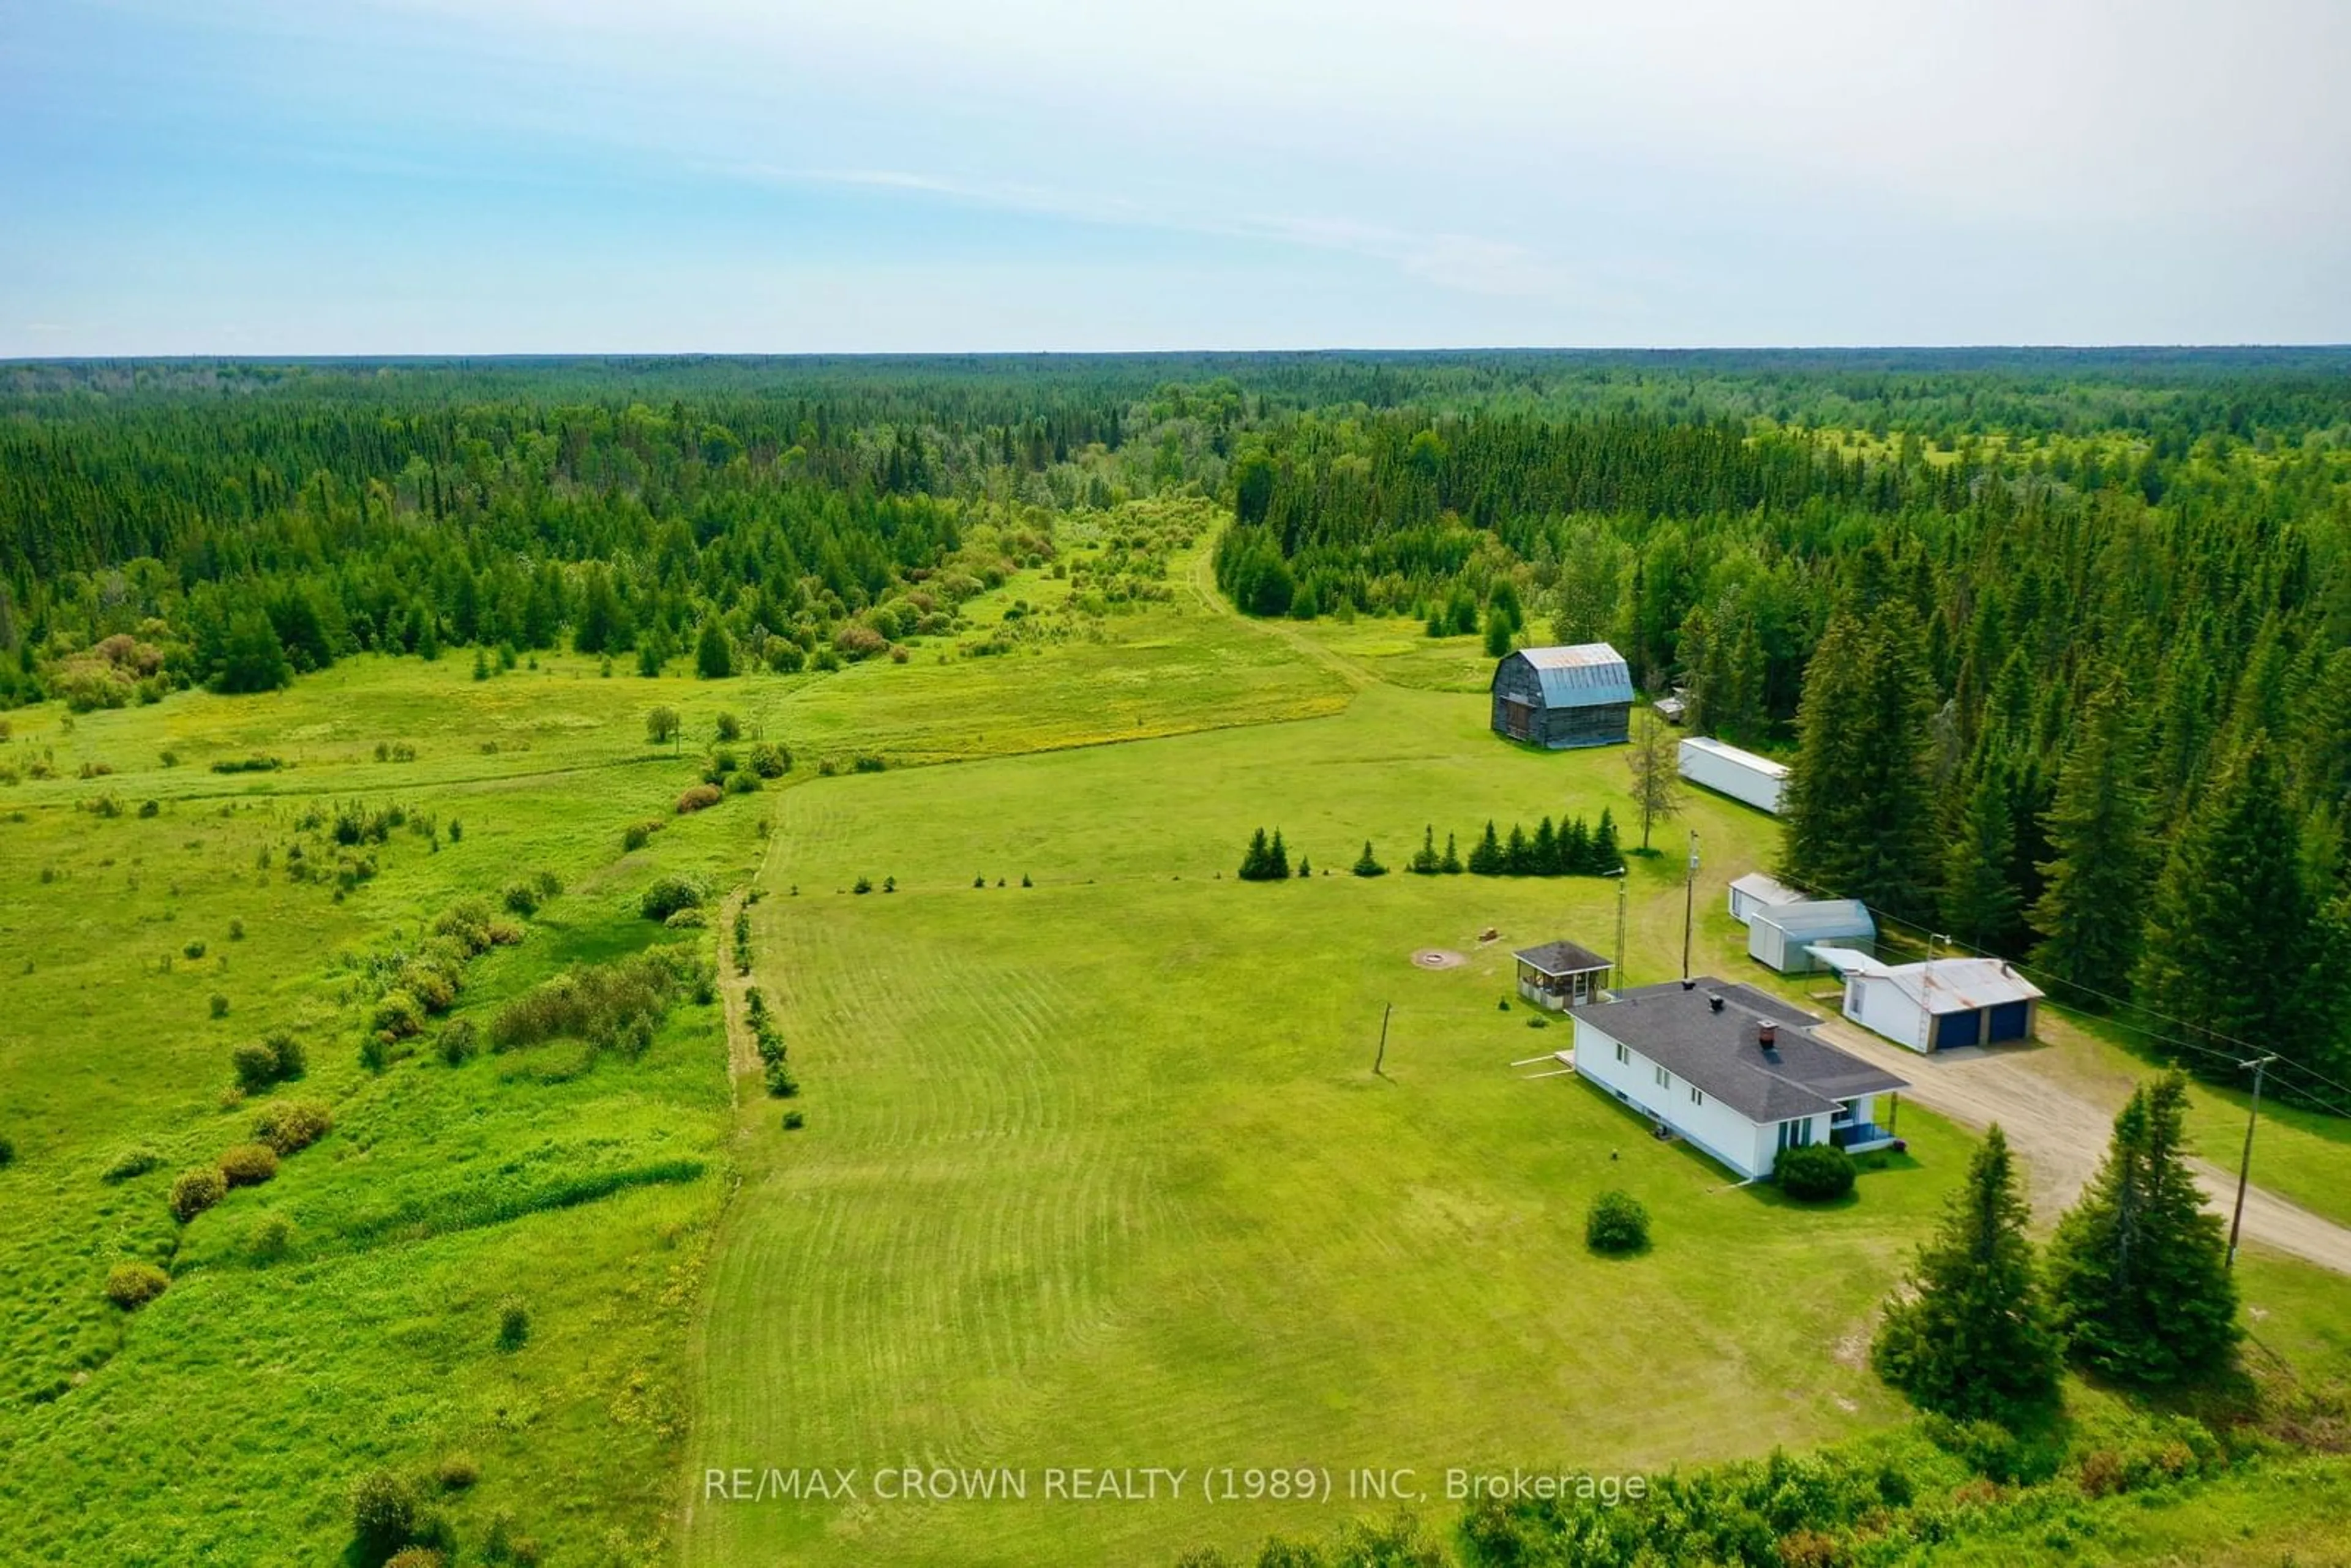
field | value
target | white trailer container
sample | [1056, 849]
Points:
[1741, 775]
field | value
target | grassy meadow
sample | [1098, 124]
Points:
[1095, 1171]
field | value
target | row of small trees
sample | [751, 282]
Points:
[1571, 849]
[2134, 1285]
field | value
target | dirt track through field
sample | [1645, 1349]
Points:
[2062, 1137]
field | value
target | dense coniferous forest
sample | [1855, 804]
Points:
[2060, 643]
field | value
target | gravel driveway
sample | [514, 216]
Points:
[2062, 1137]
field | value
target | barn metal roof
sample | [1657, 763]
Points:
[1589, 675]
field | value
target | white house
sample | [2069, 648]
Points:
[1735, 1071]
[1741, 775]
[1940, 1003]
[1782, 935]
[1756, 890]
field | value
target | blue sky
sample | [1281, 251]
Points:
[431, 176]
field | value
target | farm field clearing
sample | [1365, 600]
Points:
[1097, 1172]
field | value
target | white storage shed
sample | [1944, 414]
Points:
[1741, 775]
[1781, 937]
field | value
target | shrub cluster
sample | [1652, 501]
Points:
[195, 1191]
[248, 1164]
[131, 1286]
[523, 898]
[636, 835]
[280, 1059]
[134, 1161]
[289, 1126]
[1617, 1223]
[669, 894]
[700, 798]
[249, 764]
[613, 1005]
[1816, 1173]
[8, 1151]
[743, 939]
[769, 1040]
[460, 1041]
[771, 760]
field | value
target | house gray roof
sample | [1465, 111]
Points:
[1562, 958]
[1676, 1026]
[1589, 675]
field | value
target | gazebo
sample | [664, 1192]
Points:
[1562, 975]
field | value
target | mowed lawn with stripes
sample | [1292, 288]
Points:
[1096, 1173]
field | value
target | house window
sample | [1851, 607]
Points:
[1665, 1079]
[1796, 1135]
[1697, 1098]
[1623, 1055]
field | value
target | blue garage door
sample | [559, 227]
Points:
[2008, 1021]
[1957, 1029]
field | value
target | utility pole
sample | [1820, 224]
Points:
[1383, 1055]
[2260, 1065]
[1617, 975]
[1689, 901]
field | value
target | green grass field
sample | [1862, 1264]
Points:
[1095, 1170]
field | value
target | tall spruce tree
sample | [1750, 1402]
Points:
[1858, 805]
[1979, 902]
[2138, 1269]
[1971, 1336]
[2090, 914]
[2230, 941]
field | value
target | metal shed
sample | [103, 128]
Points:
[1563, 697]
[1757, 891]
[1782, 935]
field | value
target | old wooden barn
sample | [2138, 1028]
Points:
[1561, 697]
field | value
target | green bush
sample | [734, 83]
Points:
[770, 761]
[636, 835]
[248, 1164]
[700, 798]
[219, 1006]
[194, 950]
[728, 727]
[669, 894]
[1816, 1173]
[514, 1323]
[1616, 1223]
[742, 783]
[397, 1016]
[520, 897]
[384, 1514]
[289, 1126]
[131, 1286]
[460, 1041]
[270, 1239]
[256, 1067]
[135, 1161]
[287, 1053]
[457, 1472]
[614, 1006]
[8, 1151]
[195, 1191]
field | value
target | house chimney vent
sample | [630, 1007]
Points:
[1767, 1035]
[1714, 1001]
[1688, 984]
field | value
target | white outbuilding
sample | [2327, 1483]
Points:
[1741, 775]
[1783, 935]
[1938, 1004]
[1756, 890]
